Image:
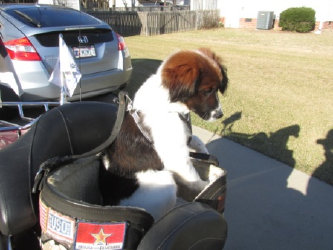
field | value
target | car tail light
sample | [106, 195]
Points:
[22, 49]
[121, 42]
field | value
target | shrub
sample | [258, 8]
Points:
[209, 19]
[298, 19]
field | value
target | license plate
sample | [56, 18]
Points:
[83, 52]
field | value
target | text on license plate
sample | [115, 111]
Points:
[86, 51]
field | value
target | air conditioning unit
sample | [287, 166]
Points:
[265, 20]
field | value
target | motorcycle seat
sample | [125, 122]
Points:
[59, 132]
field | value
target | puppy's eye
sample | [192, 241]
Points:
[208, 92]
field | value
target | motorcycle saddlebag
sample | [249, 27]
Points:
[72, 214]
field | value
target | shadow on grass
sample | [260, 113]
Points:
[325, 170]
[272, 144]
[142, 69]
[275, 145]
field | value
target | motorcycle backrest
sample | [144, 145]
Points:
[71, 129]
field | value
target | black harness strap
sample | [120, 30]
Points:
[143, 129]
[123, 101]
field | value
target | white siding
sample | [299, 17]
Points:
[233, 10]
[75, 4]
[204, 4]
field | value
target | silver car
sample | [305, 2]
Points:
[29, 48]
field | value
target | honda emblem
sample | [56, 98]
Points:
[82, 39]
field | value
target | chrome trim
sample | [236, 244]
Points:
[17, 127]
[9, 246]
[82, 39]
[29, 120]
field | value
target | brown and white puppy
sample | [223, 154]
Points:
[152, 146]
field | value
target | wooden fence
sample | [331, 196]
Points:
[128, 23]
[153, 8]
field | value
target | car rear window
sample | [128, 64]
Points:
[41, 16]
[51, 39]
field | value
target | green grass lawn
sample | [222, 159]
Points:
[280, 98]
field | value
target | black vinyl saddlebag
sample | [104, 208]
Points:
[72, 213]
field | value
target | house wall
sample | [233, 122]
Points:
[123, 3]
[75, 4]
[204, 4]
[237, 13]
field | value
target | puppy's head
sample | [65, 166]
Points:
[194, 78]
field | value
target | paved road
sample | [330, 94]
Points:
[269, 204]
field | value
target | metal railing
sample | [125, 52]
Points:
[27, 121]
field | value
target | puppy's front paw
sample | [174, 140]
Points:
[188, 190]
[196, 144]
[214, 173]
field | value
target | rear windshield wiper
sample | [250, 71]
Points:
[28, 18]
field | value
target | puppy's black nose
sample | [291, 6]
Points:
[218, 114]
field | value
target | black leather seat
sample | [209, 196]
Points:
[70, 129]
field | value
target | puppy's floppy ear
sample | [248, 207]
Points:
[224, 83]
[210, 54]
[181, 78]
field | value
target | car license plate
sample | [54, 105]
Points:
[83, 52]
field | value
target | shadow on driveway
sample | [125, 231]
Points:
[269, 204]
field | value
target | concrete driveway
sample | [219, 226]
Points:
[269, 204]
